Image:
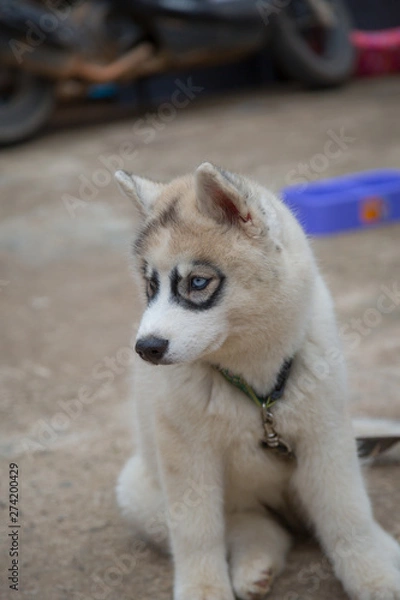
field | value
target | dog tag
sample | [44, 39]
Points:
[271, 438]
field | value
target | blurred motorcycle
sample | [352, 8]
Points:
[97, 41]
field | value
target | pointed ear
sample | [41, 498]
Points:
[220, 195]
[143, 191]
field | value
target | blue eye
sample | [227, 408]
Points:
[199, 283]
[151, 288]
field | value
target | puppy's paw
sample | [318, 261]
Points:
[253, 580]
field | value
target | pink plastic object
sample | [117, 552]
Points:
[378, 52]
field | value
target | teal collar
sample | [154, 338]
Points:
[261, 401]
[272, 439]
[367, 446]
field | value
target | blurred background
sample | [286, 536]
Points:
[59, 53]
[303, 96]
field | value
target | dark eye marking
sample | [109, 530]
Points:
[175, 279]
[152, 286]
[191, 292]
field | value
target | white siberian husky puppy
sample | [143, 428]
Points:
[237, 311]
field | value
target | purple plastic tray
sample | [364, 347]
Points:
[348, 202]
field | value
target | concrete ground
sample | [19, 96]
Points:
[68, 304]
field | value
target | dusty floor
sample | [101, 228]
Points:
[68, 304]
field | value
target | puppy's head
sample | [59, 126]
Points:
[215, 263]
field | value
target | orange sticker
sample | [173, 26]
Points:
[373, 209]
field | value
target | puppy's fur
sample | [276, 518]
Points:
[231, 281]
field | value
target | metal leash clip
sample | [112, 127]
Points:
[271, 438]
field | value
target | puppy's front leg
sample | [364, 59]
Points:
[329, 482]
[193, 486]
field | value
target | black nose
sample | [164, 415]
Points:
[151, 348]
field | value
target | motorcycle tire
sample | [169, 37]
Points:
[26, 103]
[327, 66]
